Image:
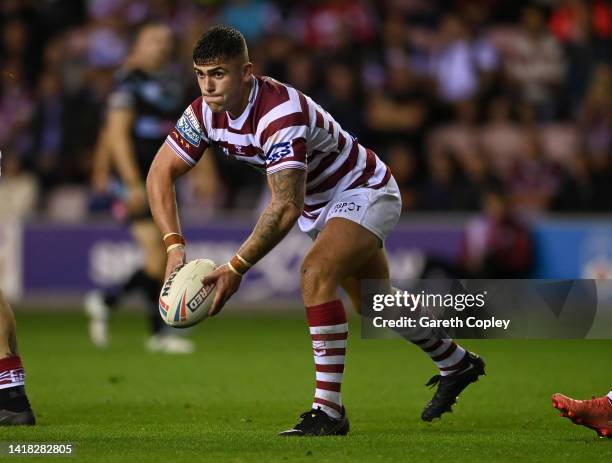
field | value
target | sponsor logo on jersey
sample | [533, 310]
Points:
[189, 128]
[230, 149]
[344, 207]
[193, 120]
[277, 151]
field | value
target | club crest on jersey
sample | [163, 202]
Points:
[189, 128]
[277, 151]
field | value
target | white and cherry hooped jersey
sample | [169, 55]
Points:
[281, 128]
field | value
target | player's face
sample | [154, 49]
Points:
[222, 83]
[154, 45]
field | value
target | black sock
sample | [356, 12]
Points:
[139, 280]
[152, 289]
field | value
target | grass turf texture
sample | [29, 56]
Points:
[253, 375]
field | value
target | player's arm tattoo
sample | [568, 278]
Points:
[288, 189]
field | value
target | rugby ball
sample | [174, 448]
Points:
[183, 300]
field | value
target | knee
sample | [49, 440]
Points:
[318, 275]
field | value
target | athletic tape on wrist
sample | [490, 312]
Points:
[174, 246]
[244, 261]
[238, 264]
[170, 239]
[231, 267]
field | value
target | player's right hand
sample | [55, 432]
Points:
[176, 258]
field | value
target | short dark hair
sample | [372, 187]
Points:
[219, 43]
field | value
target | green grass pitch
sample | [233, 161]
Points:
[253, 375]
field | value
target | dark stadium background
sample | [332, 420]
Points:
[467, 101]
[477, 106]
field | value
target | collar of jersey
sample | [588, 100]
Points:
[239, 122]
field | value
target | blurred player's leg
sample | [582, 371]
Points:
[98, 305]
[595, 414]
[14, 405]
[147, 235]
[147, 280]
[458, 368]
[163, 338]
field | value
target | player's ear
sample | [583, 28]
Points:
[247, 72]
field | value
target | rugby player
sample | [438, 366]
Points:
[339, 192]
[143, 106]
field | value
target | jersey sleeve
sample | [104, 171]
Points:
[284, 143]
[189, 138]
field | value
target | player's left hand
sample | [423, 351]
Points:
[226, 282]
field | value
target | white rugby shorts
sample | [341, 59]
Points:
[376, 210]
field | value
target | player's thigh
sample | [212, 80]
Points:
[376, 268]
[146, 233]
[342, 247]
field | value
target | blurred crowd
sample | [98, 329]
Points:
[458, 97]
